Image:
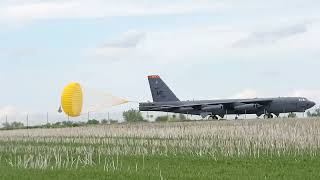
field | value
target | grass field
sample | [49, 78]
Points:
[246, 149]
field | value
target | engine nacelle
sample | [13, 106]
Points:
[213, 108]
[247, 107]
[185, 109]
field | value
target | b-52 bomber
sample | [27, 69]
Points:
[164, 100]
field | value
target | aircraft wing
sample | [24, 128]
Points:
[257, 101]
[198, 105]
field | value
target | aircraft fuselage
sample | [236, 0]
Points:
[164, 100]
[229, 106]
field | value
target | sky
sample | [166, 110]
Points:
[204, 49]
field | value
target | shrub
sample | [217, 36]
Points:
[292, 115]
[13, 125]
[182, 117]
[93, 121]
[132, 116]
[316, 113]
[162, 119]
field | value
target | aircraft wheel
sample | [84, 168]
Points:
[270, 116]
[213, 117]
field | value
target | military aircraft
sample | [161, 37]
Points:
[164, 100]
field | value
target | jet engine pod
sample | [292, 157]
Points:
[213, 108]
[247, 107]
[185, 109]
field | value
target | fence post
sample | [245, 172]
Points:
[47, 117]
[27, 121]
[6, 121]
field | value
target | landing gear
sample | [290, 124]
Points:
[268, 116]
[214, 117]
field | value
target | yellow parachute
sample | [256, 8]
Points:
[75, 100]
[72, 100]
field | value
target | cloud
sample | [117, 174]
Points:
[8, 110]
[202, 44]
[129, 40]
[270, 74]
[270, 37]
[313, 95]
[123, 47]
[11, 114]
[18, 52]
[248, 93]
[22, 11]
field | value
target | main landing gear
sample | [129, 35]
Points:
[214, 117]
[268, 116]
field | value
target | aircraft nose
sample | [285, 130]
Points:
[311, 104]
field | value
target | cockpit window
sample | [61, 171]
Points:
[302, 99]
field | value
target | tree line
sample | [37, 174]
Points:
[129, 116]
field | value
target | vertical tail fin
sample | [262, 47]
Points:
[160, 91]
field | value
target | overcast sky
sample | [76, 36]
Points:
[204, 49]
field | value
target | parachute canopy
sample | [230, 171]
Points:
[76, 100]
[72, 100]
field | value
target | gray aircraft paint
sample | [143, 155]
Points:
[164, 100]
[160, 91]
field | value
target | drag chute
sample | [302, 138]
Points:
[72, 100]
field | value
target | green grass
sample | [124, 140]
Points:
[181, 167]
[277, 149]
